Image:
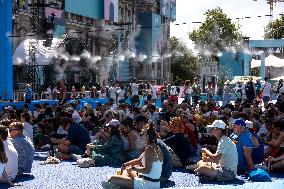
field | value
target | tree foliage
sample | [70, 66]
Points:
[184, 65]
[275, 29]
[216, 33]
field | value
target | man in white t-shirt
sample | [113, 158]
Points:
[222, 165]
[121, 95]
[154, 91]
[266, 91]
[48, 93]
[112, 92]
[134, 90]
[11, 166]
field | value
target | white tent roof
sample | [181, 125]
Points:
[271, 60]
[44, 54]
[278, 78]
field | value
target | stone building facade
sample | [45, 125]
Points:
[105, 40]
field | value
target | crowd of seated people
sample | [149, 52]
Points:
[216, 142]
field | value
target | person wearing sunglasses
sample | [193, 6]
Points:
[23, 146]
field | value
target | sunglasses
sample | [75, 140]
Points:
[13, 129]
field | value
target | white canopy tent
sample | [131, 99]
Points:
[44, 54]
[270, 61]
[278, 78]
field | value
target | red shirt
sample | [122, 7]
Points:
[191, 137]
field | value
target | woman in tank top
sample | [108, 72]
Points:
[144, 172]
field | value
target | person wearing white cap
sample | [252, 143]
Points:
[225, 160]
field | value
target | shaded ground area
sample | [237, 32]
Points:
[69, 175]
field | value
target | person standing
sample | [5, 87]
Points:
[73, 92]
[196, 91]
[187, 91]
[112, 92]
[280, 88]
[250, 90]
[28, 94]
[121, 94]
[220, 92]
[48, 93]
[154, 91]
[62, 93]
[54, 93]
[227, 95]
[134, 90]
[258, 88]
[266, 91]
[83, 91]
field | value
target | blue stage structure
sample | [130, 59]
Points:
[6, 86]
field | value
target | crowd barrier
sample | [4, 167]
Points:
[20, 104]
[19, 96]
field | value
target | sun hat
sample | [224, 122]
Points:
[217, 124]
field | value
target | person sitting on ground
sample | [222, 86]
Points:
[179, 143]
[77, 138]
[110, 152]
[24, 147]
[224, 162]
[188, 131]
[28, 128]
[258, 147]
[3, 161]
[11, 166]
[275, 163]
[164, 127]
[39, 138]
[135, 141]
[167, 161]
[144, 172]
[275, 147]
[244, 146]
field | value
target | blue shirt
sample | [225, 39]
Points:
[258, 151]
[25, 150]
[79, 136]
[78, 107]
[243, 140]
[29, 93]
[167, 160]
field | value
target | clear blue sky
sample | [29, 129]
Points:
[192, 11]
